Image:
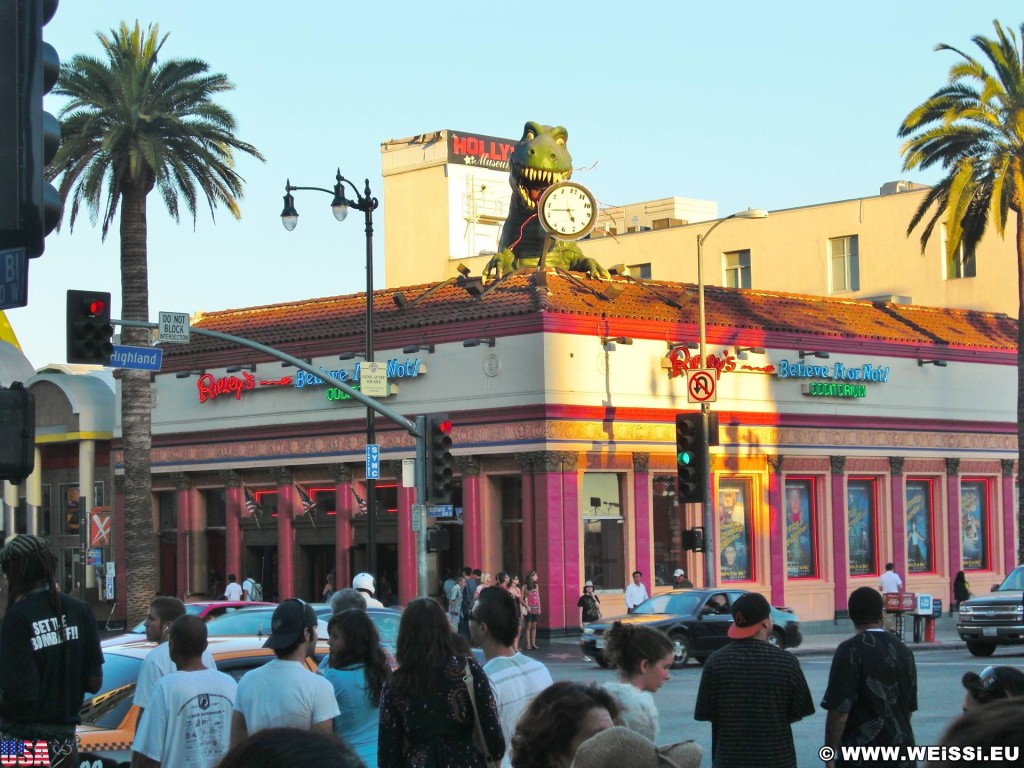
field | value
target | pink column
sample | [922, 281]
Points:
[1009, 517]
[408, 587]
[285, 536]
[549, 508]
[572, 527]
[185, 509]
[953, 507]
[897, 502]
[233, 527]
[525, 461]
[642, 549]
[344, 505]
[777, 532]
[841, 565]
[472, 512]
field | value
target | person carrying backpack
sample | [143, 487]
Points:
[252, 590]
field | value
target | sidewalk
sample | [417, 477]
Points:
[822, 637]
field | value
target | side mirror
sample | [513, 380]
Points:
[995, 587]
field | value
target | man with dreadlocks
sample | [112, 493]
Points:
[49, 653]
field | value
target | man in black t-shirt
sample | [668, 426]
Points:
[872, 688]
[49, 654]
[752, 692]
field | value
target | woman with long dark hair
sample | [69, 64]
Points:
[643, 657]
[358, 671]
[428, 713]
[531, 596]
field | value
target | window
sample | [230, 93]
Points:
[974, 524]
[861, 526]
[735, 554]
[669, 522]
[641, 271]
[801, 524]
[603, 543]
[920, 528]
[167, 509]
[736, 265]
[844, 264]
[959, 263]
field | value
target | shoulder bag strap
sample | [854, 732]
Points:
[478, 729]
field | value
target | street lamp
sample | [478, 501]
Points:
[705, 408]
[339, 206]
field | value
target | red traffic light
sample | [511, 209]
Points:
[95, 307]
[444, 427]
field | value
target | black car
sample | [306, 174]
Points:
[697, 620]
[995, 619]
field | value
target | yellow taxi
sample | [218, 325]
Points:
[109, 716]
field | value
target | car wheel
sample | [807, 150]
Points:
[980, 649]
[775, 638]
[684, 652]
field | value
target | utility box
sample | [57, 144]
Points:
[923, 605]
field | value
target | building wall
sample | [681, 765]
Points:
[789, 250]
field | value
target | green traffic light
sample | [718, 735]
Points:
[685, 458]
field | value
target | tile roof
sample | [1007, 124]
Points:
[657, 304]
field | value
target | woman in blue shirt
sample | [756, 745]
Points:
[358, 671]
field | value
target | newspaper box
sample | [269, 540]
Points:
[900, 602]
[923, 604]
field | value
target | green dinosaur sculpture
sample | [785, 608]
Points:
[538, 161]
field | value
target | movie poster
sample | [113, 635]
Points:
[860, 520]
[919, 526]
[734, 530]
[800, 559]
[973, 518]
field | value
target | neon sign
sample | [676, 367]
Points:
[679, 361]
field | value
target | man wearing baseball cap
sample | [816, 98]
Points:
[284, 693]
[752, 692]
[679, 580]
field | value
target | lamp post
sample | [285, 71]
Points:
[705, 408]
[366, 203]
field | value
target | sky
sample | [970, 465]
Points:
[749, 104]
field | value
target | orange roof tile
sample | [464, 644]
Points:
[322, 322]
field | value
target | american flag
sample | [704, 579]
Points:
[360, 501]
[308, 505]
[252, 507]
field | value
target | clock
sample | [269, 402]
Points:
[567, 210]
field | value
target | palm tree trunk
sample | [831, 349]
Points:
[140, 540]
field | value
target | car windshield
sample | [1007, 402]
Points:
[118, 672]
[1014, 581]
[244, 622]
[685, 603]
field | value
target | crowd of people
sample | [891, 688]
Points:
[434, 704]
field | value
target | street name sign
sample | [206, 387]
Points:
[373, 462]
[174, 327]
[13, 278]
[440, 510]
[137, 358]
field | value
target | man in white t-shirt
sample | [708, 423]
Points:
[890, 581]
[233, 591]
[284, 693]
[188, 721]
[163, 612]
[515, 678]
[636, 592]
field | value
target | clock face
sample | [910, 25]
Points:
[568, 210]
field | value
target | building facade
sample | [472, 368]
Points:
[563, 395]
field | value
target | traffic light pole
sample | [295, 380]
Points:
[708, 521]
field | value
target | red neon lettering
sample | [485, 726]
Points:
[683, 361]
[209, 388]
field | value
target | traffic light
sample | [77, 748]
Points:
[17, 433]
[89, 328]
[693, 539]
[439, 459]
[691, 473]
[29, 136]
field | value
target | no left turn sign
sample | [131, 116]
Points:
[700, 386]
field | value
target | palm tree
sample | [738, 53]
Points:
[972, 128]
[132, 125]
